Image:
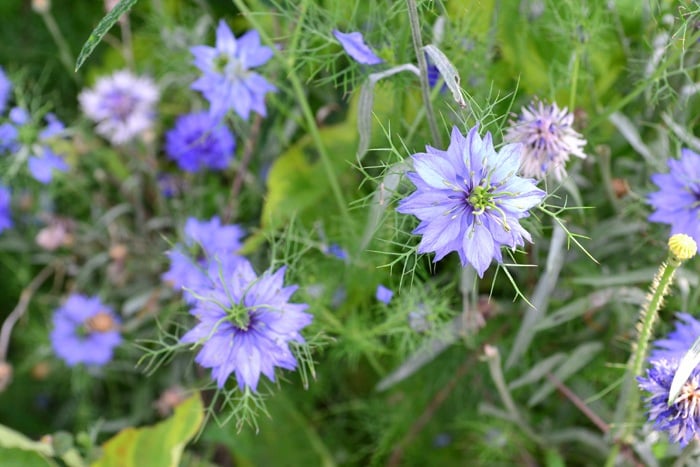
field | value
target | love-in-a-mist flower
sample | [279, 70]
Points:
[5, 90]
[122, 105]
[204, 242]
[354, 45]
[246, 323]
[85, 331]
[470, 199]
[678, 200]
[548, 139]
[199, 141]
[682, 418]
[227, 81]
[5, 208]
[384, 294]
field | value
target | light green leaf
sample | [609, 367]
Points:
[102, 27]
[160, 445]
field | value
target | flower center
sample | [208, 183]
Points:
[239, 316]
[688, 400]
[230, 67]
[102, 321]
[121, 105]
[481, 199]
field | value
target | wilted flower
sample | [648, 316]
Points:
[678, 200]
[122, 105]
[548, 139]
[5, 90]
[5, 208]
[384, 294]
[354, 45]
[469, 199]
[227, 81]
[246, 323]
[198, 141]
[85, 331]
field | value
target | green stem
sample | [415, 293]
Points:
[301, 98]
[423, 67]
[63, 48]
[629, 396]
[574, 80]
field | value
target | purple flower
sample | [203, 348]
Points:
[19, 116]
[198, 141]
[469, 199]
[677, 343]
[42, 168]
[227, 81]
[245, 325]
[336, 250]
[678, 200]
[9, 138]
[354, 45]
[384, 294]
[84, 331]
[122, 105]
[5, 90]
[205, 243]
[54, 127]
[5, 208]
[548, 139]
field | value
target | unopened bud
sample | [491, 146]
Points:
[682, 246]
[41, 6]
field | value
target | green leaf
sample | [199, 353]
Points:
[102, 27]
[15, 457]
[158, 445]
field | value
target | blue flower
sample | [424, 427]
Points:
[548, 139]
[681, 419]
[469, 199]
[678, 200]
[205, 243]
[85, 331]
[227, 81]
[677, 343]
[384, 294]
[42, 168]
[122, 105]
[198, 141]
[5, 90]
[9, 138]
[5, 208]
[354, 45]
[246, 324]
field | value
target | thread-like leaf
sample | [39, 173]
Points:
[101, 29]
[447, 71]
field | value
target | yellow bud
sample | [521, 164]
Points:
[682, 246]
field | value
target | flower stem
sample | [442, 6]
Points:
[301, 98]
[423, 68]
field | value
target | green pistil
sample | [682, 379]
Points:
[480, 199]
[220, 63]
[239, 316]
[28, 134]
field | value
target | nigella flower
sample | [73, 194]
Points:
[122, 105]
[205, 243]
[198, 141]
[470, 200]
[548, 137]
[42, 167]
[228, 82]
[678, 200]
[5, 208]
[677, 343]
[384, 294]
[354, 44]
[246, 324]
[5, 90]
[85, 331]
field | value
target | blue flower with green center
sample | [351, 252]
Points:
[246, 323]
[470, 200]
